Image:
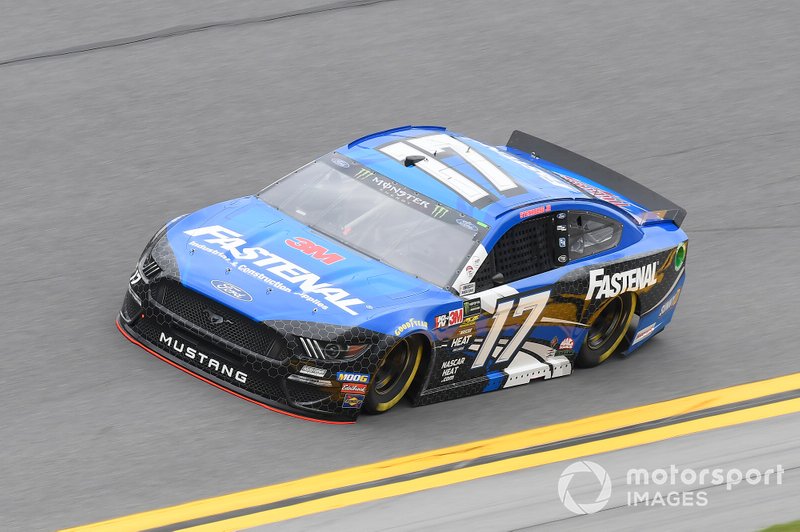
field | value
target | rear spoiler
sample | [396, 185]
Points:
[656, 207]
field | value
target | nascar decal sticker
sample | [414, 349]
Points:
[308, 283]
[472, 307]
[344, 376]
[536, 210]
[352, 401]
[304, 245]
[450, 368]
[468, 326]
[313, 371]
[666, 307]
[460, 342]
[644, 333]
[598, 193]
[354, 387]
[454, 317]
[472, 265]
[410, 324]
[602, 286]
[467, 289]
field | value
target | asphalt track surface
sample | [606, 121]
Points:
[528, 500]
[699, 100]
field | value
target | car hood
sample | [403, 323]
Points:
[268, 266]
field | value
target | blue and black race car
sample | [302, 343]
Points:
[414, 263]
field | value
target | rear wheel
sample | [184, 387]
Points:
[394, 376]
[606, 331]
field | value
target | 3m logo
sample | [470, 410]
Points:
[316, 251]
[454, 317]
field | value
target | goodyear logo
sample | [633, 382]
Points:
[343, 376]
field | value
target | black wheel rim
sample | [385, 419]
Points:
[392, 368]
[604, 327]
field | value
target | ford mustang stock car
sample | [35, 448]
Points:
[416, 263]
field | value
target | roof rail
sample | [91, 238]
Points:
[401, 128]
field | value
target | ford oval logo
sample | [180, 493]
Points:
[230, 289]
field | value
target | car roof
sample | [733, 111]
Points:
[482, 181]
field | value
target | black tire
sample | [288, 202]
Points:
[607, 330]
[394, 376]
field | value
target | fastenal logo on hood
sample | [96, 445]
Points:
[307, 282]
[602, 286]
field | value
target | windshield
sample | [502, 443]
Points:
[373, 214]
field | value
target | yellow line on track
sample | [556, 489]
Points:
[449, 455]
[504, 466]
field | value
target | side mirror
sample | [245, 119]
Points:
[498, 279]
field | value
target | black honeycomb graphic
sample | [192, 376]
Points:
[569, 294]
[164, 256]
[269, 362]
[267, 352]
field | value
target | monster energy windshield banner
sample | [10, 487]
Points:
[403, 194]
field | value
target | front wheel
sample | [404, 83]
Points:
[606, 331]
[394, 376]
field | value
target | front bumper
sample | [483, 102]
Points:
[268, 372]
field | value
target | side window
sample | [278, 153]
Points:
[526, 249]
[591, 233]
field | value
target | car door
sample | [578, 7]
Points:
[512, 298]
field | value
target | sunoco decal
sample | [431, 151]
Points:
[352, 401]
[307, 282]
